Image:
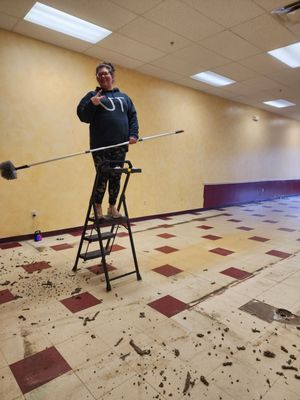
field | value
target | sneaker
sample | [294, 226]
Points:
[112, 212]
[99, 211]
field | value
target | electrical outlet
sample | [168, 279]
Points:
[33, 213]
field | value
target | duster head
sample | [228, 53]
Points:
[8, 170]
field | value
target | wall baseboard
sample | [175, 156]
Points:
[29, 236]
[220, 195]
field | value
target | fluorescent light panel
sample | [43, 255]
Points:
[280, 103]
[56, 20]
[289, 55]
[211, 78]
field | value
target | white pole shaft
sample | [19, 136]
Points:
[104, 148]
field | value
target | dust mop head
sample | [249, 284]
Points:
[8, 170]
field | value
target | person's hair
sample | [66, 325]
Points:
[107, 65]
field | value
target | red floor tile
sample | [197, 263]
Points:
[211, 237]
[259, 239]
[245, 228]
[221, 252]
[10, 245]
[36, 370]
[117, 247]
[63, 246]
[236, 273]
[277, 253]
[168, 306]
[286, 229]
[166, 249]
[204, 227]
[98, 269]
[37, 266]
[167, 270]
[234, 220]
[80, 302]
[166, 235]
[76, 233]
[6, 296]
[122, 234]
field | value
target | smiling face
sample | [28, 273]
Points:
[105, 78]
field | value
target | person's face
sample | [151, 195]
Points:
[104, 78]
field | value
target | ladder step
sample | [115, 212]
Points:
[110, 221]
[93, 254]
[104, 236]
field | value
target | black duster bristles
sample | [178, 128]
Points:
[8, 170]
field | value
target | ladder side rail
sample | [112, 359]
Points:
[82, 235]
[138, 275]
[102, 257]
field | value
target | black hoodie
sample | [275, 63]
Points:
[113, 121]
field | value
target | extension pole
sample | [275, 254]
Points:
[97, 149]
[8, 170]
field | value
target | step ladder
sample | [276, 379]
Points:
[93, 226]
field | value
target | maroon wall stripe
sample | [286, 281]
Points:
[236, 193]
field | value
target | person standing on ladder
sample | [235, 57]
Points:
[113, 120]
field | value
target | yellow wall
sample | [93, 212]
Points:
[40, 87]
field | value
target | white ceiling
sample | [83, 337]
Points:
[173, 39]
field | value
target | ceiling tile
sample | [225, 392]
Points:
[154, 35]
[296, 30]
[16, 8]
[158, 72]
[290, 76]
[198, 55]
[236, 71]
[111, 56]
[265, 33]
[177, 65]
[131, 48]
[263, 63]
[283, 92]
[7, 22]
[241, 89]
[261, 83]
[230, 45]
[137, 6]
[182, 19]
[227, 13]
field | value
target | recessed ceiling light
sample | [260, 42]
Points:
[280, 103]
[211, 78]
[289, 55]
[60, 21]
